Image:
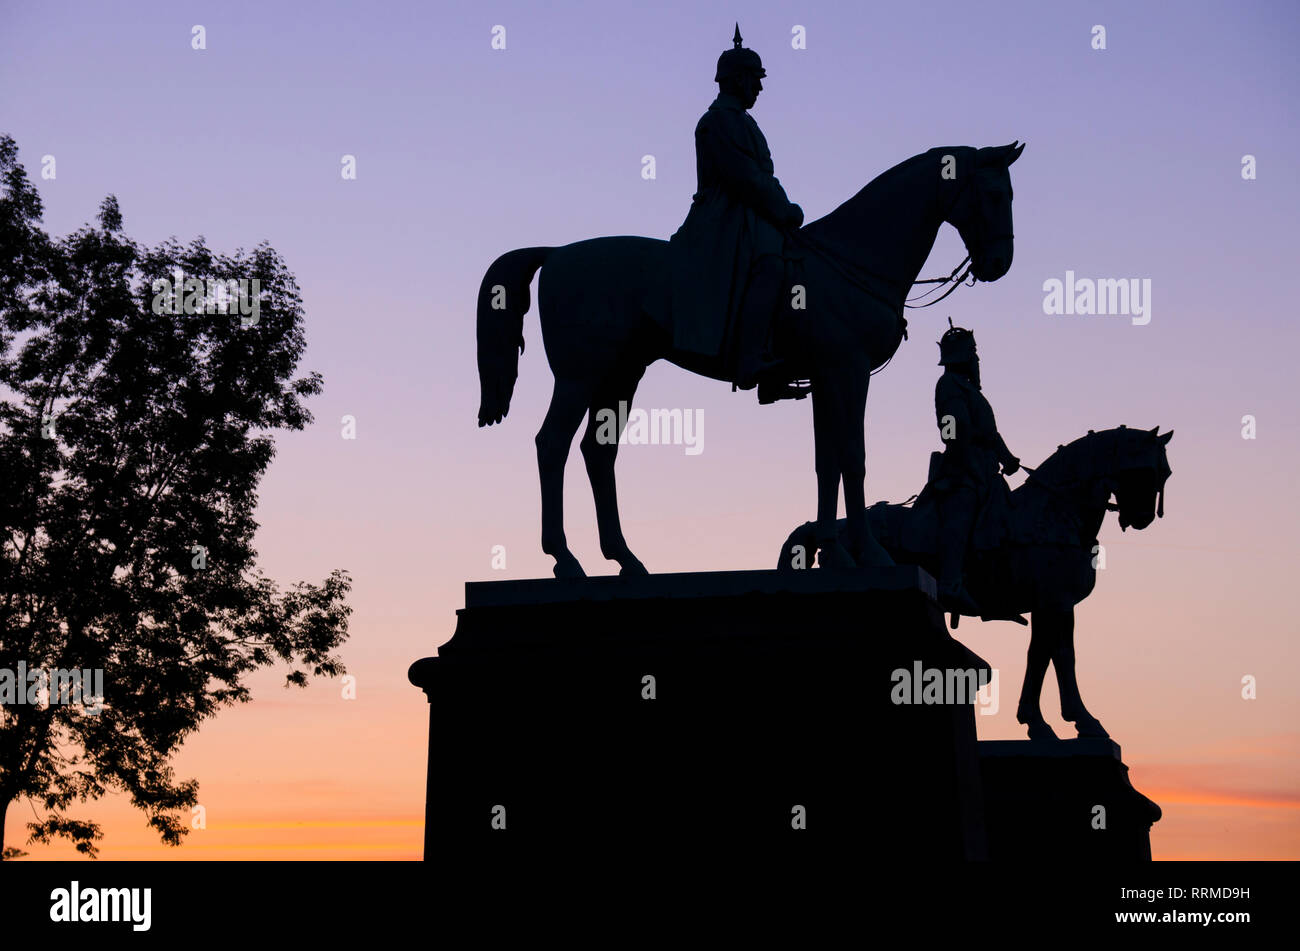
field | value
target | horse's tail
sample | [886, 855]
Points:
[503, 299]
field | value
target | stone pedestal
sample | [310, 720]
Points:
[692, 708]
[1066, 800]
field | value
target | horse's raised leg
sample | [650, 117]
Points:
[599, 451]
[1072, 707]
[1042, 643]
[569, 402]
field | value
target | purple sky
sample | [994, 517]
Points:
[1132, 169]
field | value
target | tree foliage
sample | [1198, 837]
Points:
[132, 442]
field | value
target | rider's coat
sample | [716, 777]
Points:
[735, 216]
[972, 454]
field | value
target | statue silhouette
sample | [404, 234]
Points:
[606, 314]
[727, 257]
[1047, 562]
[966, 478]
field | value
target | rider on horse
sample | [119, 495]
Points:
[727, 260]
[966, 482]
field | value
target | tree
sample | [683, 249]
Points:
[133, 436]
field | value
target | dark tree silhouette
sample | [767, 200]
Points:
[131, 445]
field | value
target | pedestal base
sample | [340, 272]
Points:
[1069, 799]
[695, 707]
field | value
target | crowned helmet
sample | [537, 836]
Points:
[738, 60]
[957, 345]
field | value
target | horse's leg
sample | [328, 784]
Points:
[843, 452]
[1042, 642]
[1072, 707]
[569, 402]
[831, 554]
[600, 455]
[863, 546]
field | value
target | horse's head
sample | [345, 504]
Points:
[1141, 469]
[981, 212]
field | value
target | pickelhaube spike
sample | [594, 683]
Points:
[738, 60]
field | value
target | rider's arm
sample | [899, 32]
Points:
[1009, 462]
[723, 140]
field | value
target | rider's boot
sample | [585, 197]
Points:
[955, 598]
[956, 518]
[755, 324]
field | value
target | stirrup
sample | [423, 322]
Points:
[772, 391]
[1018, 618]
[763, 370]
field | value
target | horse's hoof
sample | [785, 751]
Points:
[1041, 732]
[1090, 727]
[632, 567]
[568, 567]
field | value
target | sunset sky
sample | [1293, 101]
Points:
[1132, 169]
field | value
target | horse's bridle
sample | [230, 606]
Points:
[981, 241]
[955, 278]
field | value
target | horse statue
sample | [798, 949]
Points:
[605, 316]
[1048, 562]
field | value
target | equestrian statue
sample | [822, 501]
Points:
[744, 293]
[1029, 551]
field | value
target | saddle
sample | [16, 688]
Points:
[786, 381]
[918, 532]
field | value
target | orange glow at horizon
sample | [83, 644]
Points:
[1131, 170]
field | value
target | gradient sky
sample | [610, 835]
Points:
[1132, 168]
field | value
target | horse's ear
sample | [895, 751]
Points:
[999, 155]
[1164, 440]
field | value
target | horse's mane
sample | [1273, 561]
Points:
[883, 185]
[1085, 456]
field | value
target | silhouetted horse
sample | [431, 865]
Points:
[1049, 562]
[603, 305]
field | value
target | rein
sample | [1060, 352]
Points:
[859, 276]
[1033, 473]
[951, 278]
